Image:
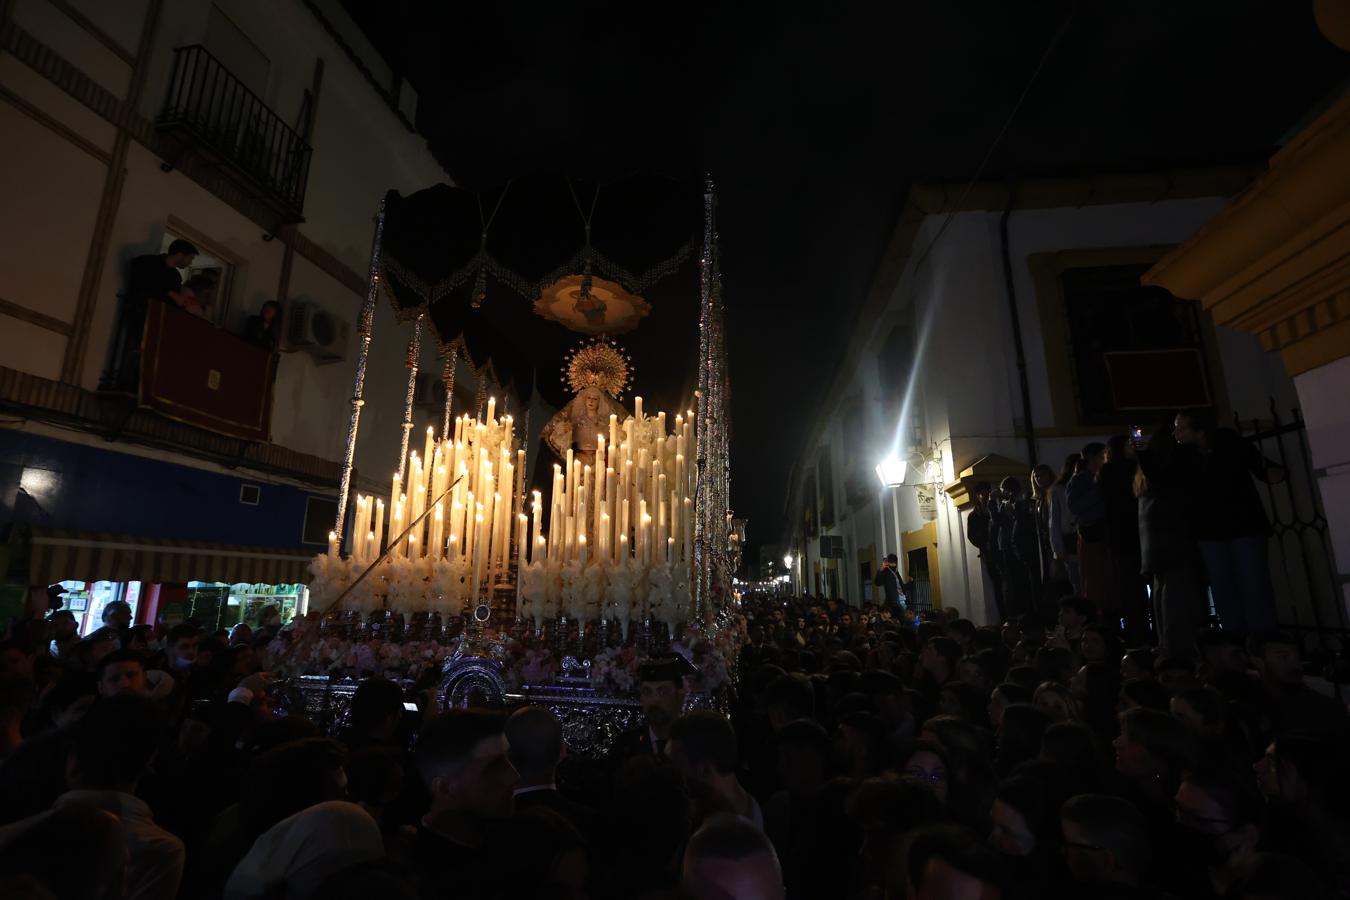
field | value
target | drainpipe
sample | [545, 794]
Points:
[1018, 346]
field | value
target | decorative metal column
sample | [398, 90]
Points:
[364, 326]
[414, 354]
[448, 379]
[712, 517]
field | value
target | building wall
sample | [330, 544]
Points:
[55, 168]
[1321, 393]
[965, 396]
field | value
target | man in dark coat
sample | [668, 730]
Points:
[661, 693]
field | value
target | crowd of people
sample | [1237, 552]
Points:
[1146, 529]
[867, 753]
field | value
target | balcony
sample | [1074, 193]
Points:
[209, 111]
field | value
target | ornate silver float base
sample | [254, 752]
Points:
[591, 720]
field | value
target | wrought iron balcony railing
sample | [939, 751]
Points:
[208, 103]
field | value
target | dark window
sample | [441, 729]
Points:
[1137, 352]
[825, 471]
[319, 515]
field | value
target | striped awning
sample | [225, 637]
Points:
[82, 556]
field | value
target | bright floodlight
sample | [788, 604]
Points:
[891, 471]
[787, 561]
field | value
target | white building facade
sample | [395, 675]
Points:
[934, 378]
[311, 128]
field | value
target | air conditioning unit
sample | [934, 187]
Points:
[429, 392]
[314, 329]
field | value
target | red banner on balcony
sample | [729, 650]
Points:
[1157, 379]
[197, 373]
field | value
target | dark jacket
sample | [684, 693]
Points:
[1229, 506]
[1167, 510]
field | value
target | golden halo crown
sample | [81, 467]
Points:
[598, 362]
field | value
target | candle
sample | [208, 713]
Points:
[379, 528]
[470, 529]
[521, 523]
[427, 447]
[491, 411]
[478, 554]
[581, 548]
[637, 408]
[437, 532]
[372, 549]
[536, 510]
[613, 429]
[332, 544]
[642, 549]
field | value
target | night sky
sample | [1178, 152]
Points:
[815, 118]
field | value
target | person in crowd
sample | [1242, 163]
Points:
[1062, 524]
[1088, 506]
[16, 698]
[1054, 576]
[1166, 484]
[293, 858]
[1003, 696]
[647, 825]
[926, 762]
[1307, 798]
[113, 746]
[1286, 702]
[1274, 876]
[730, 857]
[464, 760]
[1218, 814]
[888, 579]
[536, 740]
[1026, 833]
[1125, 597]
[981, 533]
[374, 716]
[153, 277]
[1106, 846]
[65, 633]
[1015, 534]
[1019, 737]
[803, 756]
[886, 811]
[704, 750]
[264, 329]
[950, 861]
[662, 694]
[1231, 524]
[121, 672]
[35, 855]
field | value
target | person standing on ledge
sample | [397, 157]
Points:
[888, 579]
[1231, 523]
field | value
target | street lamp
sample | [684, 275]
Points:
[891, 471]
[787, 562]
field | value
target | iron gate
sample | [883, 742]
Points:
[1302, 566]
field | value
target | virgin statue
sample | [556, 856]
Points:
[597, 372]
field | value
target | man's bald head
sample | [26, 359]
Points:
[729, 857]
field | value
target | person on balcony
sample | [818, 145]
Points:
[154, 276]
[264, 329]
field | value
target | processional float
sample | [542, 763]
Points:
[627, 552]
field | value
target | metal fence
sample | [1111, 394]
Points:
[1303, 569]
[208, 101]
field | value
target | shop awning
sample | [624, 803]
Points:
[83, 556]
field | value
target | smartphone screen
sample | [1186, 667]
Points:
[410, 707]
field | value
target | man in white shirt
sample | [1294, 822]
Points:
[114, 744]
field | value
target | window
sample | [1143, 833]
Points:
[1117, 352]
[211, 275]
[1137, 351]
